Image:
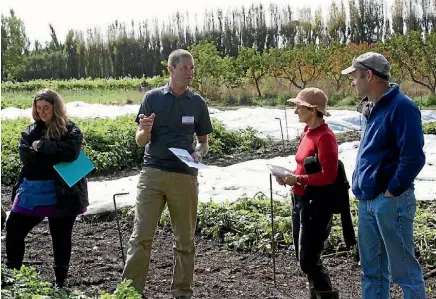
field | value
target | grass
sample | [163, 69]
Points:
[237, 98]
[120, 97]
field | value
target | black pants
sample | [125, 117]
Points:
[311, 228]
[19, 225]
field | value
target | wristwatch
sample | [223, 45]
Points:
[298, 180]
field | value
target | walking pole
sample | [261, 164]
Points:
[286, 122]
[272, 231]
[118, 225]
[281, 129]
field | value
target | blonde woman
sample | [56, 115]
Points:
[40, 192]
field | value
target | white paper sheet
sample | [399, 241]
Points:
[279, 171]
[186, 158]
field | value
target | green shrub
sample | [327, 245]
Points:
[227, 142]
[84, 84]
[429, 128]
[246, 225]
[27, 284]
[111, 146]
[109, 143]
[430, 101]
[242, 225]
[336, 97]
[348, 101]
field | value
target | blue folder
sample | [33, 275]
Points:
[72, 172]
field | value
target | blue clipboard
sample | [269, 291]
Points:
[72, 172]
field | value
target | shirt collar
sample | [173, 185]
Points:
[167, 89]
[366, 106]
[320, 127]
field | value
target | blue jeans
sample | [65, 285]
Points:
[386, 243]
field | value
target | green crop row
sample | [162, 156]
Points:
[111, 146]
[85, 84]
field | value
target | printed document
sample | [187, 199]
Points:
[279, 171]
[185, 157]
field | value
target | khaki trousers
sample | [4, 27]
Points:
[155, 189]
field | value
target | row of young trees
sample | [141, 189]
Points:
[412, 58]
[137, 49]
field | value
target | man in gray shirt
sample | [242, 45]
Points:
[169, 117]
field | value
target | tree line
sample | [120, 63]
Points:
[138, 49]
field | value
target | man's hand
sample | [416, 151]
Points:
[201, 149]
[143, 134]
[146, 122]
[388, 194]
[196, 155]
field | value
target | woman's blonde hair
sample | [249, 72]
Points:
[57, 126]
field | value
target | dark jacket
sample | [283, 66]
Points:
[38, 165]
[337, 193]
[391, 152]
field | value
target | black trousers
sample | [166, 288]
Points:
[311, 227]
[19, 225]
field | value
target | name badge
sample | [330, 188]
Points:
[187, 120]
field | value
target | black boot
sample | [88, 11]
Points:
[333, 294]
[312, 293]
[61, 273]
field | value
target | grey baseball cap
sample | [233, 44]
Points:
[373, 61]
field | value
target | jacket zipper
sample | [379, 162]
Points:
[360, 145]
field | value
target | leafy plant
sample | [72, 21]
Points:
[84, 84]
[111, 146]
[429, 128]
[27, 284]
[226, 142]
[246, 225]
[241, 225]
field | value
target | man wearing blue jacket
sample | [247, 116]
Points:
[390, 157]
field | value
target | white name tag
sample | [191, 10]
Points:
[187, 120]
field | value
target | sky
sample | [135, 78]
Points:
[83, 14]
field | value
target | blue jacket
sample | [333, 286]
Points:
[391, 152]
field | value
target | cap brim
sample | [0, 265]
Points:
[299, 102]
[296, 101]
[348, 70]
[293, 101]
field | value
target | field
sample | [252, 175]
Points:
[233, 257]
[131, 91]
[233, 241]
[252, 56]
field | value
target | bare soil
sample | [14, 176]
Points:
[97, 264]
[219, 273]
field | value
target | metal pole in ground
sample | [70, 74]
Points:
[281, 129]
[286, 122]
[273, 232]
[118, 225]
